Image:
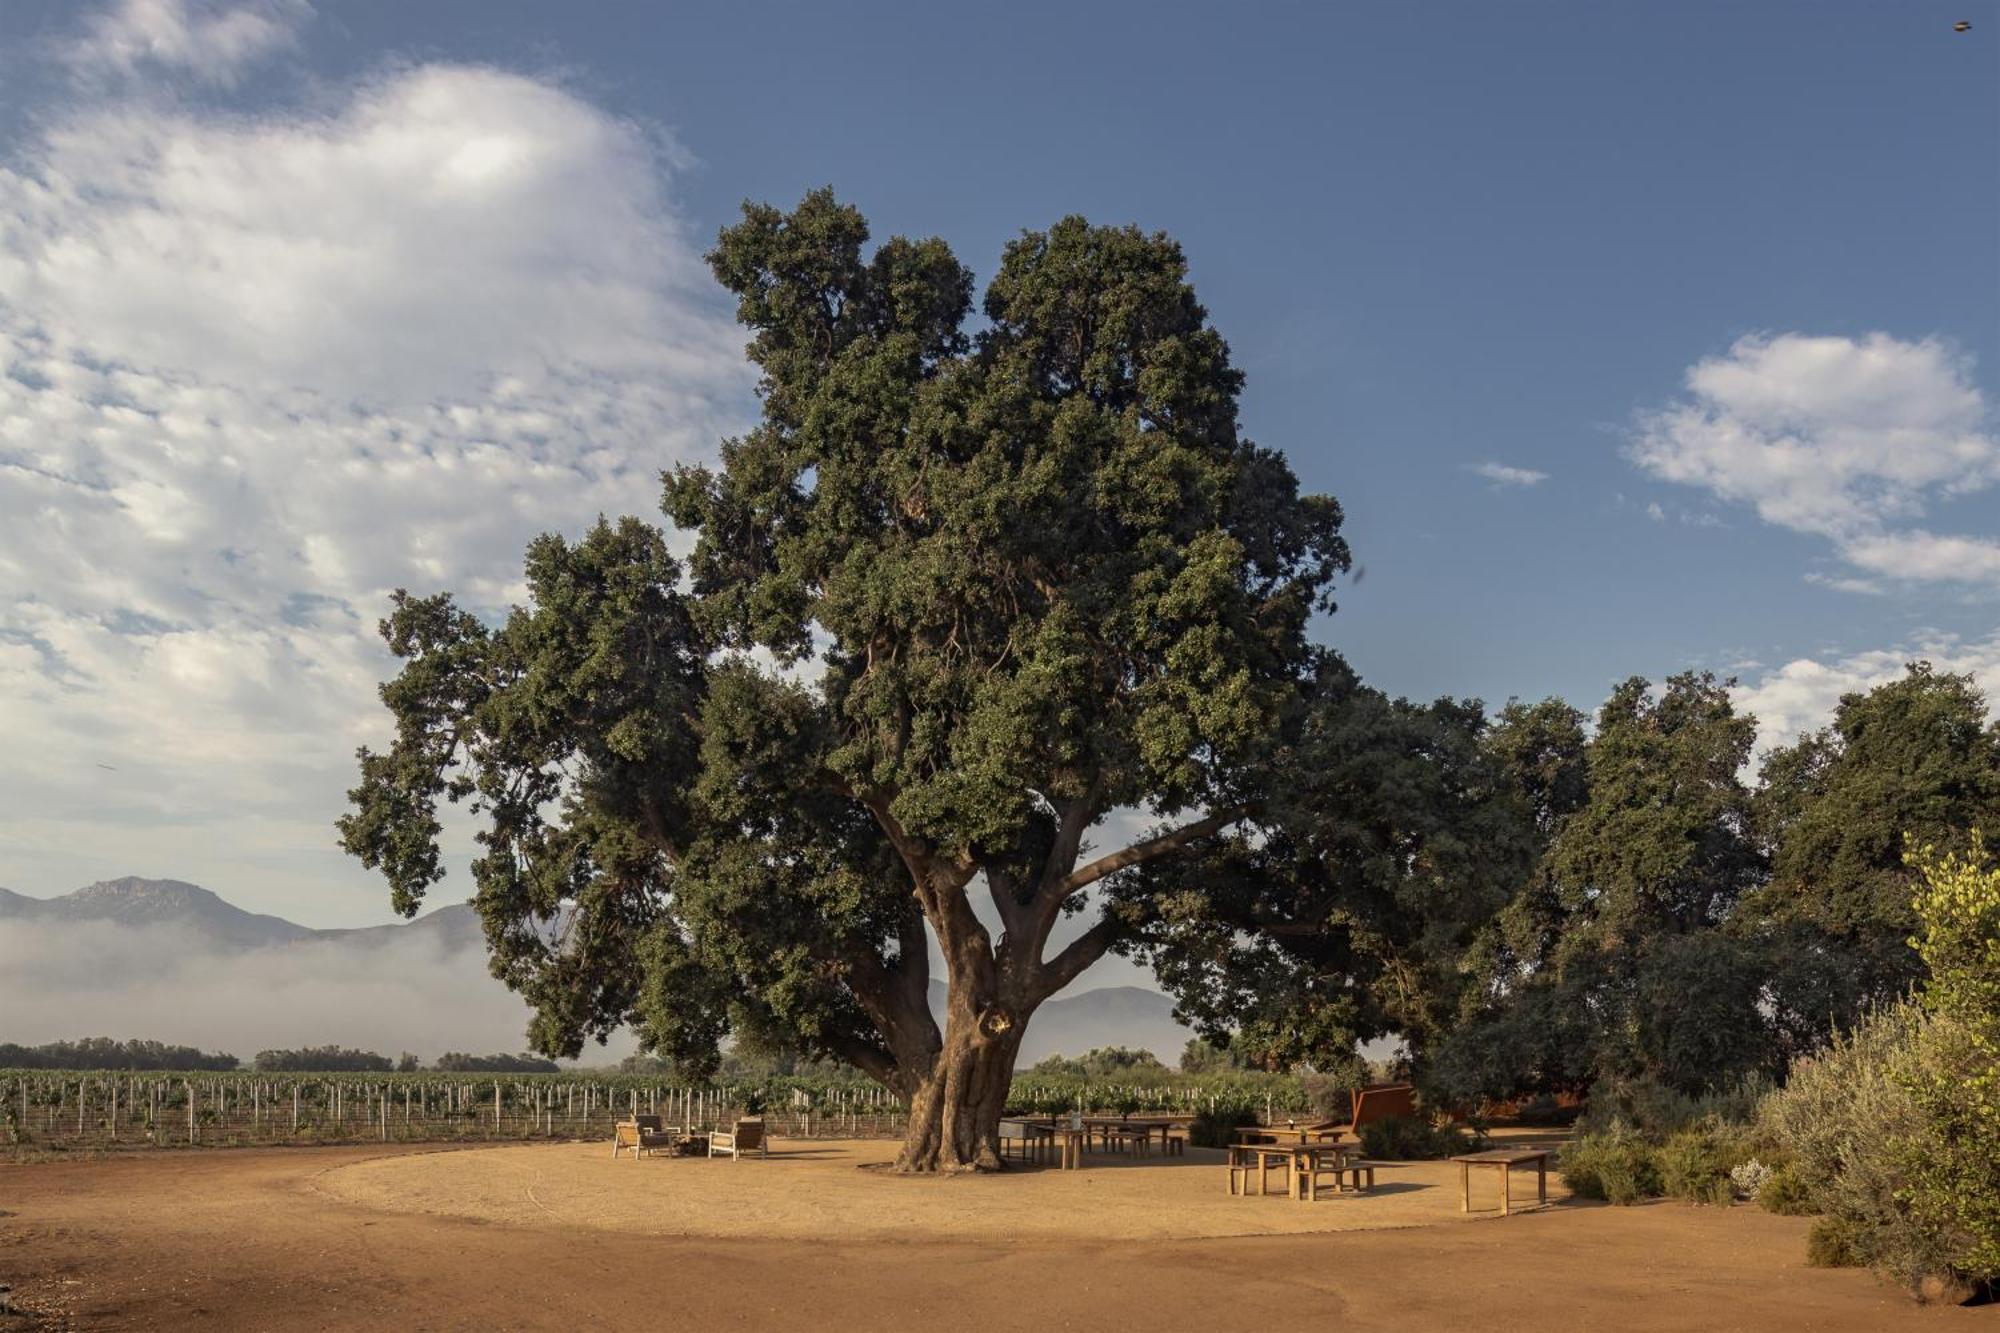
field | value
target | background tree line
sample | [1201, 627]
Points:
[1537, 905]
[110, 1053]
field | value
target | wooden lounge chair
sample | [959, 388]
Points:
[746, 1137]
[1378, 1101]
[643, 1134]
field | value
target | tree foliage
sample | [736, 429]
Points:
[111, 1053]
[1914, 758]
[322, 1060]
[1391, 836]
[958, 596]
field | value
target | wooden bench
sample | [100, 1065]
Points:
[1135, 1139]
[1338, 1166]
[1506, 1159]
[1302, 1163]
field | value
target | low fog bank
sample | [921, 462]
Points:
[61, 982]
[380, 991]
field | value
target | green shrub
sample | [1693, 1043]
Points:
[1616, 1164]
[1400, 1138]
[1657, 1110]
[1217, 1128]
[1784, 1192]
[1695, 1163]
[1834, 1243]
[1842, 1117]
[1953, 1162]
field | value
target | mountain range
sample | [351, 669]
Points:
[200, 920]
[132, 901]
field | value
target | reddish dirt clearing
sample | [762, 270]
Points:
[245, 1239]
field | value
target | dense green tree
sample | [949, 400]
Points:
[322, 1060]
[1916, 758]
[956, 598]
[1661, 846]
[463, 1062]
[1610, 962]
[110, 1053]
[1105, 1062]
[1390, 837]
[1200, 1056]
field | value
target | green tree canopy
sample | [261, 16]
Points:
[958, 596]
[1610, 961]
[1390, 837]
[1914, 758]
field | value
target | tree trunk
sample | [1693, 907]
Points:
[955, 1110]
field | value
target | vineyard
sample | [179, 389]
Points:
[47, 1111]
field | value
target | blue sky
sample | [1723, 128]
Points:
[1436, 234]
[1441, 238]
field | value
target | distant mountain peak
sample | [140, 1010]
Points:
[137, 888]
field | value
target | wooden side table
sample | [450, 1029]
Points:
[1506, 1159]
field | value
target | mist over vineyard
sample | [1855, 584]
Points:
[172, 962]
[63, 981]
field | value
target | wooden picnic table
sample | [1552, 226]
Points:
[1073, 1141]
[1301, 1163]
[1105, 1126]
[1506, 1159]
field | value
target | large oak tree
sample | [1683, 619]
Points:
[965, 591]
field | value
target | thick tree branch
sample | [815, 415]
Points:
[1005, 891]
[1152, 849]
[1077, 955]
[871, 1060]
[1077, 817]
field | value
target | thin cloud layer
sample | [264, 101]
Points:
[214, 43]
[1852, 439]
[1502, 474]
[257, 372]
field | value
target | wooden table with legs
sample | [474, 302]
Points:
[1506, 1159]
[1302, 1163]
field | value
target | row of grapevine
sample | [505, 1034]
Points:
[62, 1110]
[41, 1110]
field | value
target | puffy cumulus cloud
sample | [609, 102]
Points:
[1502, 474]
[1801, 695]
[1847, 438]
[255, 372]
[214, 43]
[443, 230]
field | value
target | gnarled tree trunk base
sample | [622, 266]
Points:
[955, 1112]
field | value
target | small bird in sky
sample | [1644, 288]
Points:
[1963, 25]
[107, 768]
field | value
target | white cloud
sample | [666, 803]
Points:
[1802, 694]
[256, 372]
[1501, 474]
[213, 42]
[1846, 438]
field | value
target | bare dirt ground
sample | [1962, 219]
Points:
[319, 1239]
[812, 1190]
